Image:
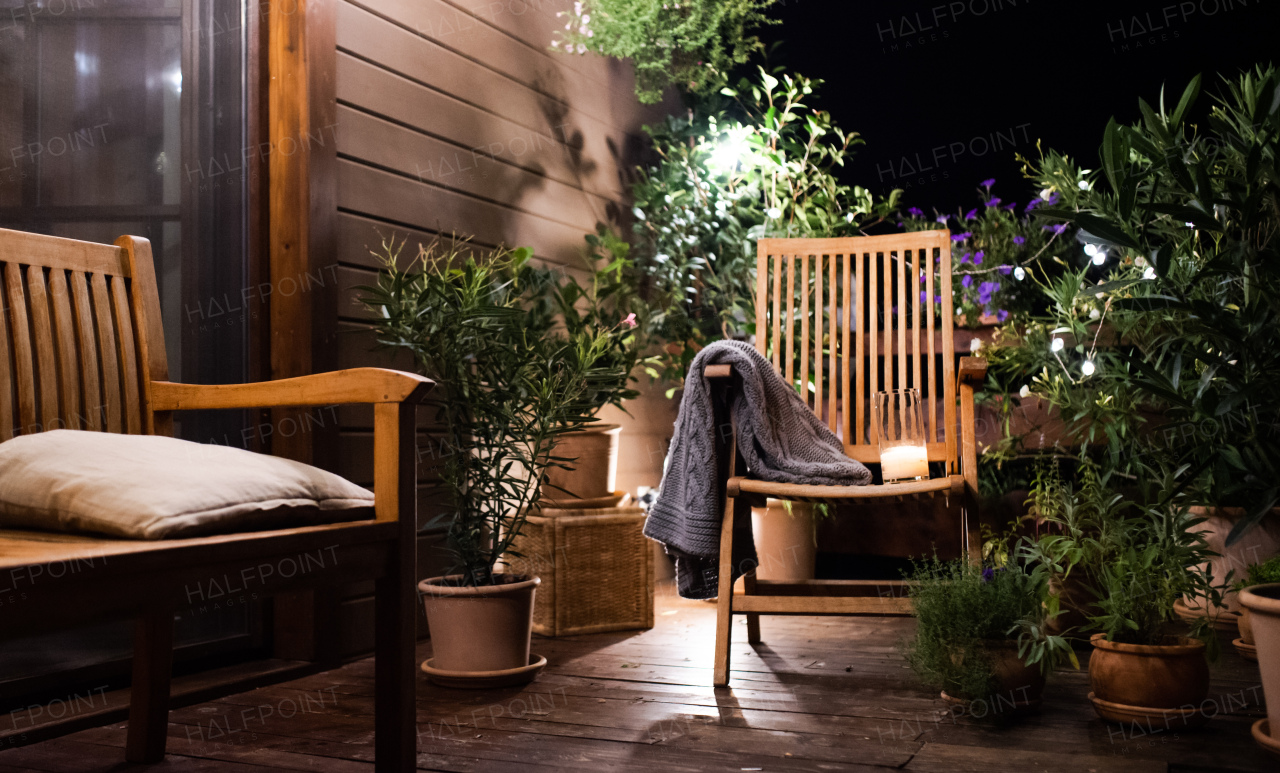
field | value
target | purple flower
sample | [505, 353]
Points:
[1011, 206]
[961, 236]
[1053, 198]
[986, 290]
[1057, 229]
[1019, 240]
[942, 219]
[995, 202]
[924, 297]
[922, 278]
[988, 574]
[987, 183]
[971, 214]
[977, 257]
[1002, 315]
[967, 280]
[937, 299]
[1006, 270]
[964, 258]
[1032, 205]
[915, 212]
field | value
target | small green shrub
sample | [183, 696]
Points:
[960, 606]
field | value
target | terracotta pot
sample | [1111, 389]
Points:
[1018, 687]
[479, 629]
[784, 541]
[1263, 603]
[1172, 676]
[595, 454]
[1257, 545]
[1246, 625]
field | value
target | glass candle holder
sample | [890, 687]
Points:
[899, 421]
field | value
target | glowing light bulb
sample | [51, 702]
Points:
[1090, 249]
[1019, 273]
[1099, 258]
[1057, 345]
[1087, 368]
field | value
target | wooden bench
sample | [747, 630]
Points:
[82, 347]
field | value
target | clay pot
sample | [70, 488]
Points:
[784, 541]
[1173, 676]
[1257, 545]
[1246, 625]
[479, 629]
[1018, 687]
[595, 454]
[1263, 603]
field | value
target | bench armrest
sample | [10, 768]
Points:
[357, 385]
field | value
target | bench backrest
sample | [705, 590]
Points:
[805, 290]
[80, 334]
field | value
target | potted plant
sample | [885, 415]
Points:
[1263, 603]
[586, 472]
[981, 637]
[1265, 573]
[1142, 669]
[508, 391]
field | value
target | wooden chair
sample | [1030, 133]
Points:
[856, 304]
[81, 347]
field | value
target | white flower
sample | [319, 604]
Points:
[848, 218]
[1045, 194]
[1139, 261]
[975, 344]
[577, 8]
[1083, 185]
[1094, 313]
[639, 213]
[662, 257]
[773, 213]
[582, 49]
[555, 44]
[584, 29]
[1148, 273]
[591, 33]
[586, 19]
[1025, 392]
[667, 198]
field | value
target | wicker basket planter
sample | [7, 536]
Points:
[596, 568]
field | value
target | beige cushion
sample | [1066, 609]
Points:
[153, 487]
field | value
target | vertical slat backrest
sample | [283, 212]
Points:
[875, 314]
[78, 338]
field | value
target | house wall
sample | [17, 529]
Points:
[454, 117]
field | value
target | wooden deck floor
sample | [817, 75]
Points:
[820, 694]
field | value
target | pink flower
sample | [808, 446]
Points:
[630, 321]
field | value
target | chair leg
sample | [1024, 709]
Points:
[753, 618]
[149, 693]
[395, 679]
[724, 602]
[973, 532]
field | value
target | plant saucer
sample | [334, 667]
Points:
[1262, 735]
[484, 680]
[1247, 651]
[1148, 716]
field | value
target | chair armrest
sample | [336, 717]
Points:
[973, 371]
[717, 371]
[356, 385]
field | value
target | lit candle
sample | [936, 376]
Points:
[900, 462]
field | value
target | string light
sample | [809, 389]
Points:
[1057, 345]
[1087, 367]
[1019, 273]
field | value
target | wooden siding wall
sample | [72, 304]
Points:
[454, 117]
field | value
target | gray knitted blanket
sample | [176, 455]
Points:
[779, 438]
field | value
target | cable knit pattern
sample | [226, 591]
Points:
[779, 438]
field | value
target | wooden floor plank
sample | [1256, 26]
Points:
[818, 694]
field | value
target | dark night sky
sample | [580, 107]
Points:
[945, 93]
